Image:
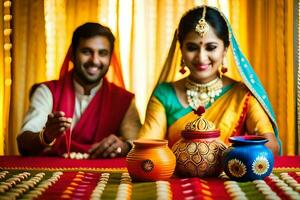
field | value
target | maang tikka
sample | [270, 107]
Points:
[202, 26]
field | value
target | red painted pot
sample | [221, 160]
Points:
[199, 153]
[150, 160]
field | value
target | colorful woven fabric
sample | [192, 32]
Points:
[118, 185]
[56, 178]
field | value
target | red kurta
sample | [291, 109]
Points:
[102, 117]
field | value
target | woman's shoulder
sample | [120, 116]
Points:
[167, 90]
[163, 89]
[237, 85]
[166, 86]
[240, 86]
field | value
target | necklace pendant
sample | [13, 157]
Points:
[203, 96]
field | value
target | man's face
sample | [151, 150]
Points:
[92, 59]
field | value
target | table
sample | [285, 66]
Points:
[59, 178]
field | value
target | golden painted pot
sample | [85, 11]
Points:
[150, 160]
[199, 153]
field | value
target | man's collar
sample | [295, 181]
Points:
[80, 89]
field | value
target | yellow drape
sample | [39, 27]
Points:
[61, 18]
[2, 122]
[5, 73]
[28, 61]
[270, 51]
[144, 30]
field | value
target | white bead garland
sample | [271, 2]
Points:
[202, 94]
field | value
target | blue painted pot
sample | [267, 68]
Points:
[248, 159]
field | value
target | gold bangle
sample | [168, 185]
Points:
[42, 139]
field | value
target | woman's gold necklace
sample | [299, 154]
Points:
[202, 94]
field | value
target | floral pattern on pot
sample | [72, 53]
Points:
[237, 168]
[261, 165]
[147, 165]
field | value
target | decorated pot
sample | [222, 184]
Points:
[199, 151]
[248, 159]
[150, 160]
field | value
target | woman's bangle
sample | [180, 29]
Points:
[42, 139]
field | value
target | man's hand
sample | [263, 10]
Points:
[109, 147]
[56, 124]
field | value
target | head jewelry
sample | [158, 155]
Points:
[202, 26]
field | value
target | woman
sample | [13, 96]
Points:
[236, 108]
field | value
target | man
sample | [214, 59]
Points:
[82, 111]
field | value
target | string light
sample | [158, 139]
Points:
[7, 4]
[298, 74]
[7, 61]
[7, 17]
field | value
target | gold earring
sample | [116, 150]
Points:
[182, 66]
[222, 70]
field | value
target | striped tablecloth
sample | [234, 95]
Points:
[58, 178]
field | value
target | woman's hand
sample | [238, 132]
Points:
[272, 143]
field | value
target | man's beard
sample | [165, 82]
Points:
[84, 79]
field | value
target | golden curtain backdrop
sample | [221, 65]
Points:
[5, 71]
[2, 121]
[144, 30]
[28, 65]
[271, 55]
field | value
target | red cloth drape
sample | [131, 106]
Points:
[102, 117]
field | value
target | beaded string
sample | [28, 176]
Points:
[202, 94]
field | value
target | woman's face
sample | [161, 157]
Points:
[203, 55]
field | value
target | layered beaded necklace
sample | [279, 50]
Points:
[202, 94]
